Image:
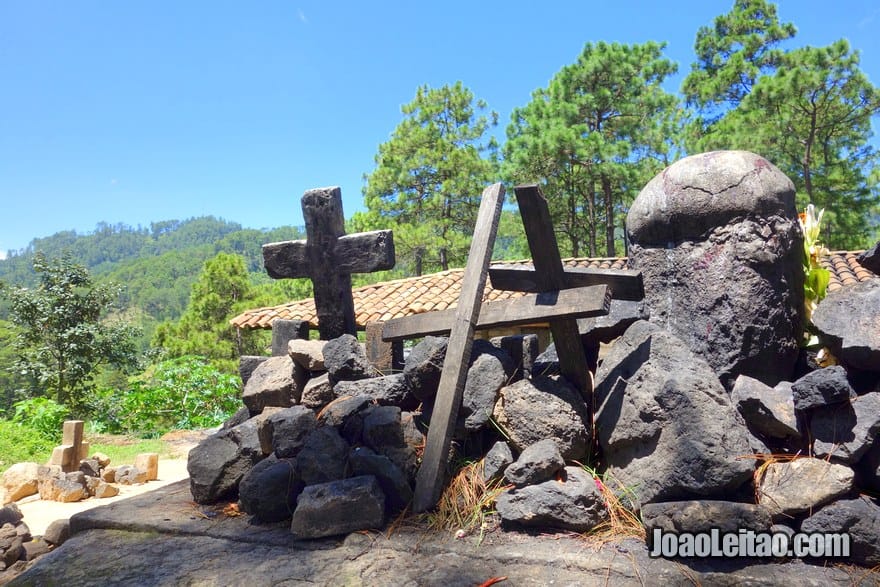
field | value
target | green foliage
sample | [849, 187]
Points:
[20, 443]
[42, 414]
[62, 336]
[592, 139]
[158, 265]
[429, 178]
[732, 54]
[11, 381]
[221, 290]
[808, 110]
[182, 393]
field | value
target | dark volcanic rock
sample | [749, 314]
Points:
[385, 432]
[246, 366]
[846, 431]
[847, 320]
[390, 390]
[702, 220]
[347, 414]
[821, 388]
[870, 259]
[496, 461]
[423, 366]
[535, 409]
[538, 462]
[324, 457]
[522, 348]
[318, 392]
[665, 424]
[339, 507]
[704, 515]
[277, 381]
[574, 504]
[860, 518]
[620, 316]
[217, 464]
[269, 491]
[288, 429]
[393, 481]
[490, 370]
[766, 410]
[346, 359]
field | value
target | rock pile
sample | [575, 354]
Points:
[18, 547]
[95, 478]
[702, 376]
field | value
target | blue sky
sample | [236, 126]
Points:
[140, 111]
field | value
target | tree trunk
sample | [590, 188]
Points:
[572, 224]
[609, 215]
[591, 218]
[807, 161]
[419, 255]
[444, 259]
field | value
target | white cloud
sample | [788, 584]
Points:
[868, 20]
[2, 254]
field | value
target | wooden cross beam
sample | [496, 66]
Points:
[328, 257]
[625, 284]
[580, 302]
[431, 475]
[549, 275]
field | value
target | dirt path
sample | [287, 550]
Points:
[38, 514]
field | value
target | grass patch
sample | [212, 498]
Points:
[19, 443]
[123, 450]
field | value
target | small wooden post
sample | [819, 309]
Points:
[385, 357]
[283, 331]
[431, 475]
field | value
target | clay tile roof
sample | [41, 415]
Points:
[439, 291]
[845, 269]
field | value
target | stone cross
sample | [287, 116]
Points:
[328, 257]
[73, 448]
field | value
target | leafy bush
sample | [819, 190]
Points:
[43, 415]
[19, 443]
[183, 393]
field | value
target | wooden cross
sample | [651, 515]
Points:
[328, 257]
[431, 475]
[549, 275]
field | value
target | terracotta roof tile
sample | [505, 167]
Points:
[440, 291]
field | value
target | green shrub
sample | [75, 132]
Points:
[19, 443]
[42, 414]
[182, 393]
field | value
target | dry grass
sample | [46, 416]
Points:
[466, 504]
[622, 520]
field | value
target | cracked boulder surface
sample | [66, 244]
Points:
[717, 240]
[159, 538]
[702, 192]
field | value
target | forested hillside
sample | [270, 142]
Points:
[157, 265]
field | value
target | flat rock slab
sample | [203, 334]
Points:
[119, 544]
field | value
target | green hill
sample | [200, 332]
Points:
[157, 265]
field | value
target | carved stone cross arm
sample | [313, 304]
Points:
[328, 257]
